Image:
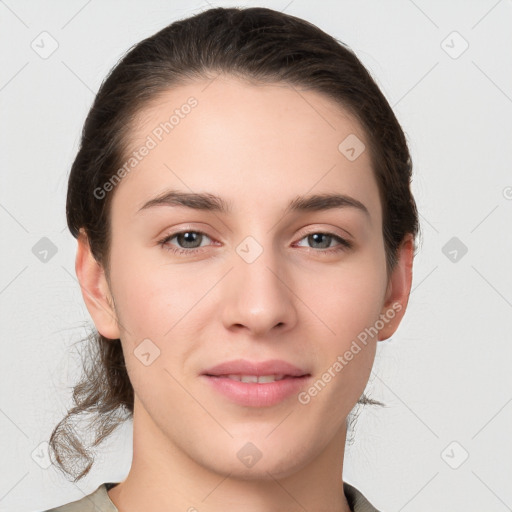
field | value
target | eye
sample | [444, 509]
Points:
[189, 239]
[324, 240]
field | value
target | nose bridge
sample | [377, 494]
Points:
[258, 264]
[259, 298]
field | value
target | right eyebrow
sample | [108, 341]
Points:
[197, 201]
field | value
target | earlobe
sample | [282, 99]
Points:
[398, 290]
[95, 289]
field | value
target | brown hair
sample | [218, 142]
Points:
[256, 44]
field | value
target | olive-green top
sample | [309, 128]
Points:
[99, 501]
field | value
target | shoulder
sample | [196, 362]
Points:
[356, 499]
[97, 501]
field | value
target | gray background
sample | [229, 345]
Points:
[445, 375]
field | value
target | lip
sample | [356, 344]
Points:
[253, 394]
[245, 367]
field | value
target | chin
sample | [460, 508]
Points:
[253, 461]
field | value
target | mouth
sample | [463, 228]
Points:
[257, 390]
[254, 384]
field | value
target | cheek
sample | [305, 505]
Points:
[347, 301]
[155, 305]
[151, 297]
[348, 298]
[348, 305]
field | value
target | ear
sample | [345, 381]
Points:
[398, 290]
[95, 289]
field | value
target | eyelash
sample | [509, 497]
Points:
[344, 244]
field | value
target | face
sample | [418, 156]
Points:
[264, 278]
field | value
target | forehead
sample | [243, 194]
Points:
[247, 141]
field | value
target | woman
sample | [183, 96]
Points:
[246, 231]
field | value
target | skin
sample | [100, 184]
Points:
[257, 146]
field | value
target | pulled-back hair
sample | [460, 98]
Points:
[255, 44]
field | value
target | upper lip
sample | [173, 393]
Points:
[258, 368]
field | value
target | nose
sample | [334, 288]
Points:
[258, 295]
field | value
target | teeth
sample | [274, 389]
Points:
[255, 378]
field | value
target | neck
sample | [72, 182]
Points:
[163, 476]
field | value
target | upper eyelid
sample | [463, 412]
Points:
[330, 231]
[182, 231]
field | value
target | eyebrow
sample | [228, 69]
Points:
[213, 203]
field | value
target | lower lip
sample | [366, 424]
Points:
[254, 394]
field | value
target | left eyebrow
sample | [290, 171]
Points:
[327, 201]
[211, 202]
